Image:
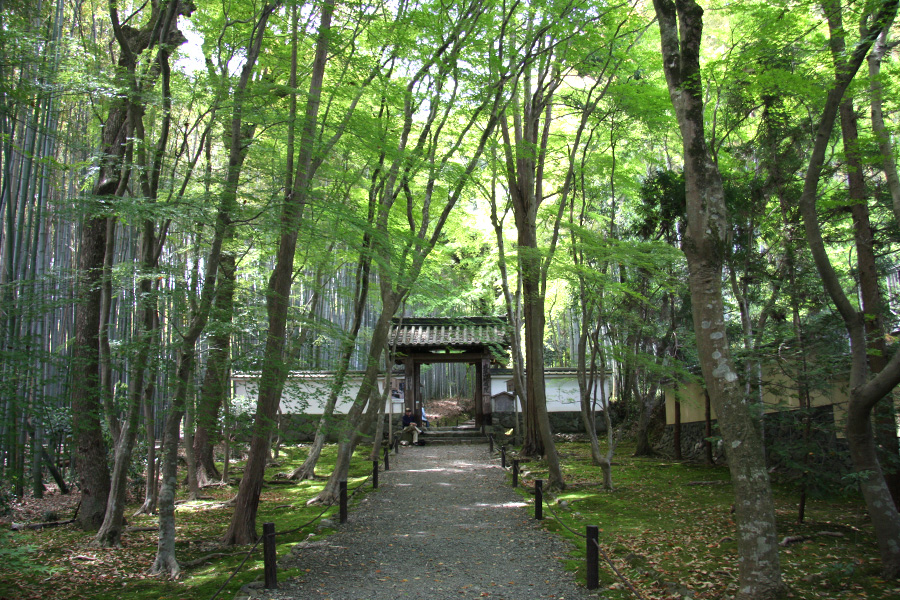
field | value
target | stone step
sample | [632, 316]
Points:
[462, 434]
[460, 441]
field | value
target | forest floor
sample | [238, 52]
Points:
[667, 528]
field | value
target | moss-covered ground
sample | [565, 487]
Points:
[667, 528]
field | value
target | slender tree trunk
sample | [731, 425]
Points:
[676, 432]
[151, 486]
[215, 382]
[106, 367]
[587, 382]
[525, 159]
[382, 400]
[192, 485]
[165, 561]
[865, 392]
[111, 531]
[681, 25]
[882, 135]
[274, 371]
[867, 269]
[513, 310]
[351, 429]
[307, 470]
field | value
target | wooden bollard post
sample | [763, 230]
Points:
[387, 460]
[538, 499]
[269, 558]
[343, 495]
[491, 443]
[375, 474]
[502, 457]
[593, 557]
[515, 472]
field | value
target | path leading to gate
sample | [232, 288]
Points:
[443, 524]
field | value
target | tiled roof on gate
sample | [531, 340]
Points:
[449, 332]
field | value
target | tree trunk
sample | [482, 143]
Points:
[524, 173]
[350, 431]
[215, 382]
[867, 269]
[706, 238]
[37, 479]
[537, 418]
[192, 485]
[90, 445]
[111, 531]
[307, 470]
[864, 392]
[106, 367]
[165, 561]
[151, 486]
[274, 370]
[707, 428]
[882, 135]
[587, 379]
[676, 432]
[382, 400]
[513, 313]
[648, 406]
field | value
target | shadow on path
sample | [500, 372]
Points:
[443, 524]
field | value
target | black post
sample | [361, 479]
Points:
[491, 443]
[502, 457]
[269, 557]
[538, 499]
[375, 474]
[515, 472]
[343, 502]
[593, 557]
[387, 460]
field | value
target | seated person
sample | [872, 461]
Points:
[425, 419]
[409, 425]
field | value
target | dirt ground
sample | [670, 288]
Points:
[448, 409]
[52, 507]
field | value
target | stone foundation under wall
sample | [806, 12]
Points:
[560, 422]
[784, 435]
[302, 428]
[692, 438]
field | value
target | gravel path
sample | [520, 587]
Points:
[443, 524]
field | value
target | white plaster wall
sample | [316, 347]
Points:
[304, 393]
[562, 391]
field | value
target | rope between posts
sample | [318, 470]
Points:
[308, 523]
[602, 552]
[617, 572]
[238, 570]
[289, 531]
[324, 510]
[560, 521]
